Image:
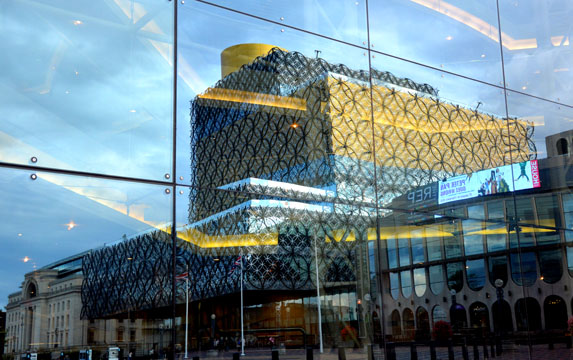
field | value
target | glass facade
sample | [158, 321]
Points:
[289, 179]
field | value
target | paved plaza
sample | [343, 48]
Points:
[541, 352]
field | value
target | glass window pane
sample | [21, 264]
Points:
[420, 281]
[570, 259]
[473, 238]
[496, 231]
[452, 246]
[436, 279]
[91, 89]
[434, 247]
[342, 20]
[524, 216]
[455, 275]
[404, 251]
[537, 29]
[394, 285]
[498, 269]
[406, 283]
[549, 218]
[475, 270]
[524, 268]
[66, 236]
[454, 25]
[417, 240]
[550, 265]
[392, 253]
[439, 314]
[568, 215]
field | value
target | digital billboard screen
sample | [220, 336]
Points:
[489, 182]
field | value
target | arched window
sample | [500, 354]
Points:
[438, 314]
[528, 314]
[555, 312]
[436, 279]
[498, 269]
[394, 285]
[409, 325]
[479, 316]
[550, 265]
[458, 316]
[32, 291]
[406, 282]
[420, 281]
[475, 270]
[423, 324]
[562, 147]
[524, 268]
[455, 274]
[396, 323]
[501, 313]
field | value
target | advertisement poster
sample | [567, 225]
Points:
[489, 182]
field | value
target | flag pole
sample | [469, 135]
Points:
[318, 295]
[242, 324]
[186, 310]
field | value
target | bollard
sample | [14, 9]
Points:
[390, 351]
[371, 352]
[236, 356]
[309, 353]
[275, 355]
[498, 346]
[341, 354]
[413, 351]
[476, 349]
[491, 348]
[433, 350]
[485, 352]
[450, 350]
[465, 354]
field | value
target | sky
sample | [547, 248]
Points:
[89, 88]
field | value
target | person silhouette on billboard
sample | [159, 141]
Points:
[523, 173]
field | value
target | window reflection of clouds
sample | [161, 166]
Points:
[436, 279]
[56, 84]
[420, 282]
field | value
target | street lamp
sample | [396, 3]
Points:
[499, 292]
[213, 317]
[161, 328]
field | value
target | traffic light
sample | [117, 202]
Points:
[28, 355]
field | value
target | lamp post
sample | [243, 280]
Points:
[161, 328]
[499, 292]
[453, 317]
[213, 317]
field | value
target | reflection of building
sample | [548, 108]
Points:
[465, 246]
[285, 152]
[45, 315]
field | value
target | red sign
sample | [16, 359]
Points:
[535, 174]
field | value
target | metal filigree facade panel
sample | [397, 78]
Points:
[135, 274]
[298, 120]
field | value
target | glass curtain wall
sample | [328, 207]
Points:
[203, 178]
